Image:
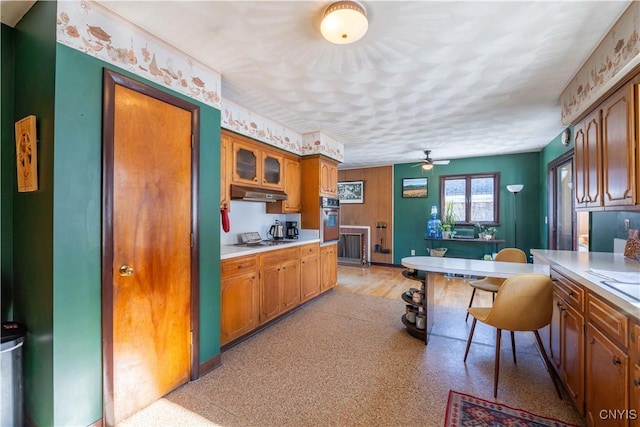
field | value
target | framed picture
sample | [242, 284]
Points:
[27, 154]
[351, 192]
[414, 187]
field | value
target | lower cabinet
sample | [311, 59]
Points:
[634, 363]
[329, 267]
[279, 282]
[309, 272]
[239, 298]
[608, 373]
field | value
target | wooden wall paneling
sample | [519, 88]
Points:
[377, 206]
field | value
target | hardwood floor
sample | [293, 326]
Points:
[388, 282]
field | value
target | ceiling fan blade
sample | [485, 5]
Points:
[441, 162]
[417, 164]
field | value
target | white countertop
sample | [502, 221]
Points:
[581, 266]
[472, 266]
[233, 251]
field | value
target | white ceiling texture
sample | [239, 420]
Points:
[461, 78]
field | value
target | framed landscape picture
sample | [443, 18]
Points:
[414, 187]
[351, 192]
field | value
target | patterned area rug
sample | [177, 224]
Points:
[464, 410]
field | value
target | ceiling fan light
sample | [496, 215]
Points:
[344, 22]
[427, 166]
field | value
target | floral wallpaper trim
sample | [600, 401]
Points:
[618, 51]
[245, 122]
[90, 28]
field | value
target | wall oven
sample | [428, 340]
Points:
[330, 217]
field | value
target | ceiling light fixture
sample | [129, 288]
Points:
[427, 166]
[344, 22]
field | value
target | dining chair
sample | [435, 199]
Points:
[492, 284]
[523, 303]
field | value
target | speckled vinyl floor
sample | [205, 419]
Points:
[346, 360]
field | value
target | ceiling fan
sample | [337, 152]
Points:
[428, 163]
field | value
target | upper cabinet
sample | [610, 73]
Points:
[225, 171]
[606, 155]
[292, 177]
[256, 166]
[328, 177]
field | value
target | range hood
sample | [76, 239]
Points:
[253, 194]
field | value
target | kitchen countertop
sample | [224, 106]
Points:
[580, 266]
[233, 251]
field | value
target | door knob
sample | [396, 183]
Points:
[126, 270]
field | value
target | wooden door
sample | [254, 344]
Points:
[239, 313]
[618, 149]
[149, 273]
[607, 377]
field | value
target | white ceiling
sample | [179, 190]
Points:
[463, 79]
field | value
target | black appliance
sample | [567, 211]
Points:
[291, 229]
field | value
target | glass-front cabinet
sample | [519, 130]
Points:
[255, 166]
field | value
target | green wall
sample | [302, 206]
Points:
[411, 215]
[7, 172]
[33, 211]
[56, 254]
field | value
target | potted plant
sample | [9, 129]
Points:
[486, 233]
[446, 230]
[448, 221]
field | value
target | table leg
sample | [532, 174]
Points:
[428, 302]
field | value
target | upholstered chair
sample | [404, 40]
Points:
[492, 284]
[522, 303]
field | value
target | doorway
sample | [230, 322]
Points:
[562, 218]
[149, 239]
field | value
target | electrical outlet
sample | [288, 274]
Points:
[626, 224]
[413, 252]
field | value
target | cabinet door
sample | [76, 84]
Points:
[272, 171]
[333, 179]
[588, 161]
[290, 284]
[554, 331]
[607, 376]
[225, 170]
[328, 267]
[309, 277]
[328, 178]
[292, 178]
[247, 165]
[239, 308]
[618, 149]
[270, 296]
[634, 382]
[324, 178]
[572, 354]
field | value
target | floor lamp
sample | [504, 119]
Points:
[515, 189]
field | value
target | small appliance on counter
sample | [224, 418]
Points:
[292, 229]
[277, 231]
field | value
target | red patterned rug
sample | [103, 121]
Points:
[464, 410]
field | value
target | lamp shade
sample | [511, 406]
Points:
[515, 188]
[344, 22]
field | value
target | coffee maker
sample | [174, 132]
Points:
[292, 229]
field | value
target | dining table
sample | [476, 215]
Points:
[432, 266]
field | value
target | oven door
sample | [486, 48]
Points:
[330, 224]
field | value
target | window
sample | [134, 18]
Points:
[474, 197]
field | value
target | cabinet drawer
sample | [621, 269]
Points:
[278, 256]
[309, 250]
[569, 291]
[608, 319]
[231, 267]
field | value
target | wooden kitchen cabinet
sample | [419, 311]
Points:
[567, 336]
[588, 178]
[292, 184]
[328, 178]
[309, 271]
[619, 148]
[254, 163]
[608, 376]
[606, 155]
[328, 267]
[279, 282]
[239, 298]
[634, 380]
[225, 171]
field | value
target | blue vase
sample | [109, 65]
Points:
[434, 225]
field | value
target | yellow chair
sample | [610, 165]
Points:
[492, 284]
[523, 303]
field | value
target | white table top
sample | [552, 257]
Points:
[472, 266]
